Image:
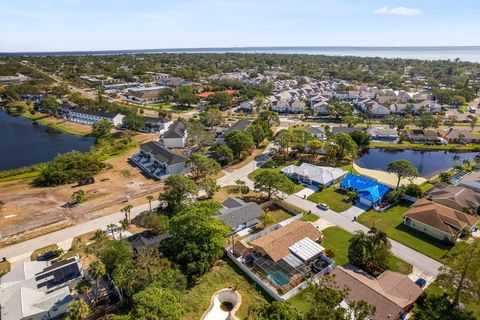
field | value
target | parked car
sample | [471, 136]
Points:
[323, 206]
[49, 255]
[421, 282]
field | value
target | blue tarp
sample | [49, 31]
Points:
[365, 188]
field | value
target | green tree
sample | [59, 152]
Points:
[112, 228]
[157, 223]
[272, 183]
[223, 154]
[69, 168]
[258, 133]
[101, 128]
[185, 95]
[361, 138]
[461, 275]
[78, 310]
[210, 186]
[197, 237]
[300, 138]
[427, 120]
[84, 287]
[221, 99]
[275, 311]
[341, 146]
[133, 122]
[156, 303]
[115, 254]
[96, 271]
[285, 139]
[431, 307]
[315, 145]
[212, 117]
[150, 198]
[369, 251]
[78, 197]
[339, 109]
[239, 141]
[241, 187]
[127, 211]
[267, 219]
[49, 105]
[269, 117]
[179, 190]
[396, 121]
[402, 169]
[202, 166]
[198, 136]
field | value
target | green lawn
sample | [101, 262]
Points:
[333, 197]
[391, 222]
[435, 289]
[277, 164]
[224, 275]
[278, 213]
[310, 217]
[336, 240]
[420, 146]
[165, 107]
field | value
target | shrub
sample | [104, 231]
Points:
[69, 168]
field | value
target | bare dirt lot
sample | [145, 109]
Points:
[28, 208]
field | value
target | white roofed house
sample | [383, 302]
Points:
[38, 290]
[316, 175]
[158, 161]
[175, 136]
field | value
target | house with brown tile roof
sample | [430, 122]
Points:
[457, 198]
[461, 136]
[438, 221]
[392, 294]
[276, 243]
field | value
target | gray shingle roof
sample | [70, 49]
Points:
[236, 212]
[161, 153]
[176, 130]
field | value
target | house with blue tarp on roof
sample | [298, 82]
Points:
[369, 192]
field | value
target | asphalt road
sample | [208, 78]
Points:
[401, 251]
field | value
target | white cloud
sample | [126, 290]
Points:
[399, 11]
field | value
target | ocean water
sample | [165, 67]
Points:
[471, 53]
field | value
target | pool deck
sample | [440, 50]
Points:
[386, 178]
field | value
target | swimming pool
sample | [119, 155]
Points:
[278, 277]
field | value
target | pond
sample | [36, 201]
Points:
[428, 163]
[23, 143]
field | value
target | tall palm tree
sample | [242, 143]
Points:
[150, 198]
[84, 287]
[112, 227]
[97, 270]
[126, 211]
[78, 310]
[378, 237]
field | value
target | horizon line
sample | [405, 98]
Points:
[159, 50]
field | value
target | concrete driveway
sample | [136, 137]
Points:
[353, 212]
[304, 193]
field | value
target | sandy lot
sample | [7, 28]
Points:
[29, 208]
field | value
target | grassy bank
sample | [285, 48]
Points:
[58, 124]
[424, 147]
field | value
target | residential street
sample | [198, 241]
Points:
[21, 251]
[401, 251]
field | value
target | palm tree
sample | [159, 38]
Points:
[84, 287]
[150, 198]
[126, 212]
[97, 270]
[78, 310]
[112, 227]
[378, 237]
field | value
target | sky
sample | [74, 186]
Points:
[74, 25]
